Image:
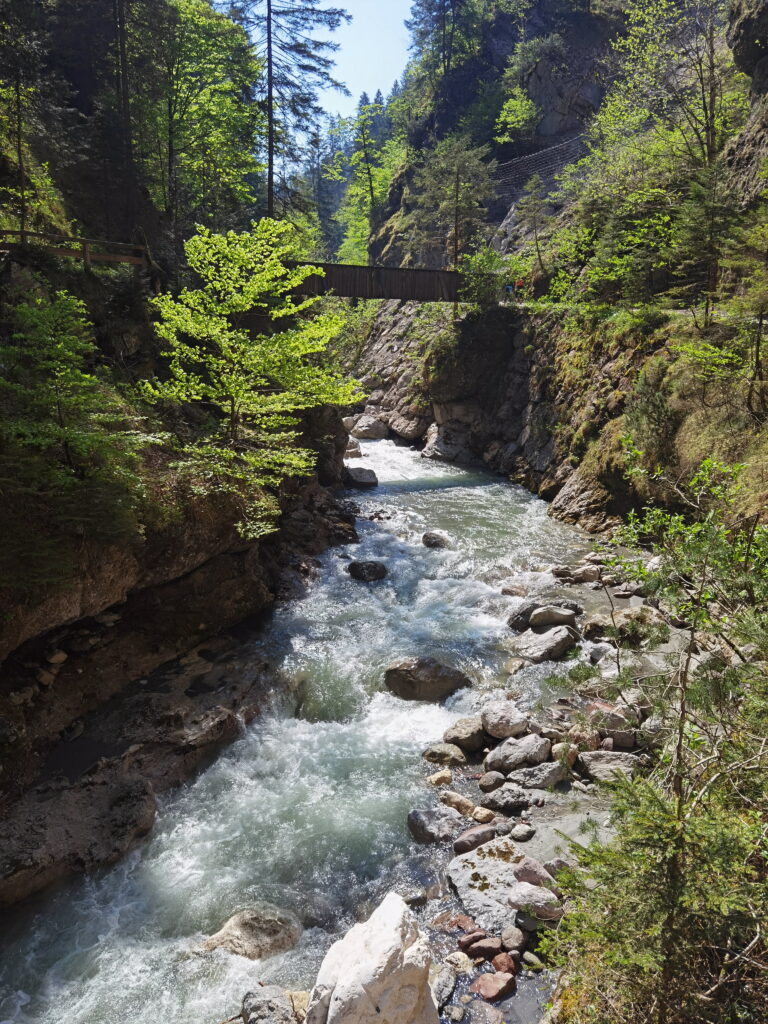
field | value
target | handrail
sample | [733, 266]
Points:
[47, 236]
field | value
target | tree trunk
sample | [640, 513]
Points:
[270, 114]
[20, 156]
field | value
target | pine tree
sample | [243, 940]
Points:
[298, 64]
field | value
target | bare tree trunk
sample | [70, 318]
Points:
[270, 114]
[20, 156]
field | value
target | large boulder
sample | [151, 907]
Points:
[268, 1005]
[377, 974]
[552, 615]
[521, 616]
[547, 646]
[514, 753]
[432, 539]
[507, 799]
[445, 753]
[484, 878]
[369, 428]
[503, 719]
[607, 765]
[435, 825]
[260, 931]
[358, 476]
[424, 679]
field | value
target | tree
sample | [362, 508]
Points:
[443, 32]
[451, 189]
[533, 214]
[297, 65]
[197, 126]
[254, 383]
[518, 118]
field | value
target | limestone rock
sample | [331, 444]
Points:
[258, 932]
[607, 766]
[552, 616]
[434, 825]
[507, 799]
[484, 815]
[377, 974]
[443, 985]
[548, 646]
[535, 901]
[424, 679]
[520, 618]
[513, 939]
[458, 802]
[491, 781]
[442, 778]
[514, 753]
[369, 428]
[444, 753]
[542, 776]
[503, 719]
[467, 733]
[483, 880]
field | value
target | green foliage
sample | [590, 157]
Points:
[69, 444]
[486, 273]
[253, 383]
[518, 118]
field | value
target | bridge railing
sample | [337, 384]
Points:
[353, 281]
[89, 250]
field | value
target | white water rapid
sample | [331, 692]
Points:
[306, 810]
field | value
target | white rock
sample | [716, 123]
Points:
[535, 901]
[551, 615]
[541, 776]
[607, 766]
[549, 646]
[503, 719]
[377, 974]
[514, 753]
[369, 428]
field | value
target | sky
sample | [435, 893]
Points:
[374, 51]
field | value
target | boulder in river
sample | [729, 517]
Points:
[551, 615]
[495, 985]
[503, 719]
[259, 931]
[548, 646]
[483, 880]
[445, 753]
[424, 679]
[359, 476]
[520, 618]
[514, 753]
[268, 1005]
[467, 733]
[377, 974]
[367, 572]
[432, 539]
[434, 825]
[370, 428]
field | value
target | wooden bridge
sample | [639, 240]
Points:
[347, 281]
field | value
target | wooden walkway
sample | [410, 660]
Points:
[347, 281]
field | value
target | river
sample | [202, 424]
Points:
[308, 808]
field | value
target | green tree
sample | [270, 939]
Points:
[533, 214]
[451, 188]
[256, 382]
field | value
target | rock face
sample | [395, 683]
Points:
[258, 932]
[367, 572]
[377, 974]
[424, 679]
[548, 646]
[268, 1005]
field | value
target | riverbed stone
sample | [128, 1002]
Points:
[424, 679]
[541, 776]
[551, 615]
[485, 949]
[443, 984]
[434, 824]
[491, 781]
[442, 778]
[565, 752]
[503, 719]
[467, 733]
[471, 938]
[507, 799]
[260, 931]
[483, 879]
[607, 765]
[367, 572]
[547, 646]
[377, 974]
[359, 476]
[458, 802]
[473, 838]
[493, 986]
[513, 939]
[521, 616]
[504, 963]
[522, 833]
[514, 753]
[484, 815]
[535, 901]
[445, 753]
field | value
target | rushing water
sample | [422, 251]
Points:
[306, 810]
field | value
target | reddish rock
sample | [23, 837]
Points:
[466, 940]
[464, 922]
[486, 948]
[494, 986]
[473, 838]
[504, 963]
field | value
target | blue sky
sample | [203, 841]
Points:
[374, 50]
